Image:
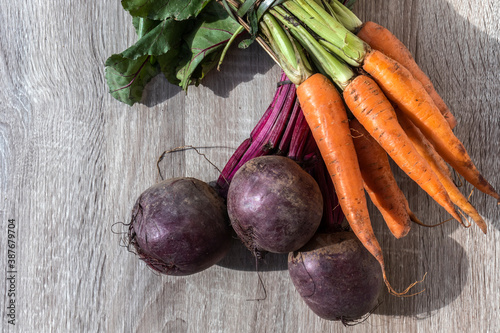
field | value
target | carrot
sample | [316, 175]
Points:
[424, 147]
[369, 105]
[326, 116]
[379, 181]
[404, 90]
[381, 39]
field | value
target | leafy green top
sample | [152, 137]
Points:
[183, 40]
[164, 9]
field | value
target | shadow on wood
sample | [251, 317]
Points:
[445, 266]
[240, 258]
[239, 66]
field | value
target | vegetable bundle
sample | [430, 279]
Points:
[360, 91]
[381, 94]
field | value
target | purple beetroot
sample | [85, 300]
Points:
[180, 226]
[274, 205]
[336, 276]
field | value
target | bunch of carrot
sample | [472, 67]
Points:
[336, 61]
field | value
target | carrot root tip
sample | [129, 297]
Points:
[404, 293]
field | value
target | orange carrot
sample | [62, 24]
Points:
[326, 116]
[369, 105]
[424, 147]
[408, 93]
[379, 181]
[381, 39]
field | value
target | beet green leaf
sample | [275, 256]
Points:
[184, 51]
[164, 9]
[127, 78]
[204, 44]
[128, 73]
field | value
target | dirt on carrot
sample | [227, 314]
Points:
[379, 181]
[381, 39]
[424, 148]
[373, 110]
[410, 96]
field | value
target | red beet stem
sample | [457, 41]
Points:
[265, 118]
[284, 145]
[299, 136]
[222, 182]
[282, 122]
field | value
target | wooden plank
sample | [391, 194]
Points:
[73, 161]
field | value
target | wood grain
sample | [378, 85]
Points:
[73, 160]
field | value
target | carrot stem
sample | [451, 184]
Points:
[333, 35]
[336, 70]
[345, 16]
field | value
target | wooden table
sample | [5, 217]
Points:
[73, 161]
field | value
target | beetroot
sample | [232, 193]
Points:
[180, 226]
[336, 276]
[274, 205]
